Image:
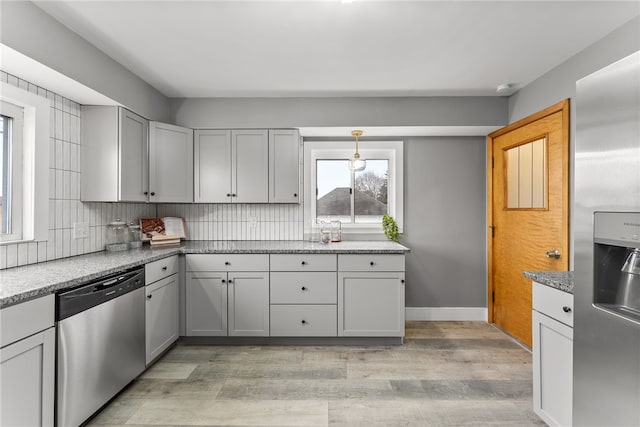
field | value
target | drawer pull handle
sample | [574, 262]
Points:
[566, 309]
[304, 322]
[164, 268]
[304, 288]
[304, 262]
[372, 263]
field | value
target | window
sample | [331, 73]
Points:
[358, 199]
[11, 126]
[25, 165]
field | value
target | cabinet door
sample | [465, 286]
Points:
[249, 304]
[284, 176]
[212, 166]
[371, 304]
[552, 370]
[170, 163]
[250, 177]
[206, 304]
[161, 316]
[27, 369]
[133, 158]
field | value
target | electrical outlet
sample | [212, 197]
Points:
[80, 230]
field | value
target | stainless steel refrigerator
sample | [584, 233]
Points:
[606, 351]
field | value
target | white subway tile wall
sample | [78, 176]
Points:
[204, 221]
[65, 207]
[238, 221]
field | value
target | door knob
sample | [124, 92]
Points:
[553, 254]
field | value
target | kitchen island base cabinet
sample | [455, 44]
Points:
[371, 304]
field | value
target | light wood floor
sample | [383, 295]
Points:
[446, 374]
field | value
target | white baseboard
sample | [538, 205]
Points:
[447, 313]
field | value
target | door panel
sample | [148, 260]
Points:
[523, 232]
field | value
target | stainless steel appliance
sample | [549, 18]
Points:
[101, 343]
[606, 352]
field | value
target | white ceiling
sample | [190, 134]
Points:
[326, 48]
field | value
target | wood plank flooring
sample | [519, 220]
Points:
[446, 374]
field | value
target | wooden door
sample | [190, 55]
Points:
[528, 212]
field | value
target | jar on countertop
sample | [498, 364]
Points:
[117, 236]
[135, 240]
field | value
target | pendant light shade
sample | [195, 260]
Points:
[357, 164]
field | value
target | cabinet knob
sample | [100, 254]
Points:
[224, 281]
[304, 263]
[372, 263]
[153, 193]
[233, 195]
[304, 322]
[229, 281]
[164, 268]
[401, 280]
[228, 194]
[295, 194]
[304, 288]
[145, 193]
[149, 296]
[227, 263]
[566, 309]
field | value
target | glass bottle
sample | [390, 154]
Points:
[117, 236]
[336, 231]
[134, 236]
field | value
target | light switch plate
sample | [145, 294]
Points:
[80, 230]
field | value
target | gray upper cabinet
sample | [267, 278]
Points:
[114, 155]
[212, 166]
[231, 166]
[170, 163]
[284, 175]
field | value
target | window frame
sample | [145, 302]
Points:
[35, 162]
[15, 132]
[343, 150]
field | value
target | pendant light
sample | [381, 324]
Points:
[357, 164]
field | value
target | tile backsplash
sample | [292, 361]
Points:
[204, 221]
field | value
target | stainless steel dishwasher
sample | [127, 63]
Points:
[101, 343]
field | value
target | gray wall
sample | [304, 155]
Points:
[300, 112]
[445, 221]
[27, 29]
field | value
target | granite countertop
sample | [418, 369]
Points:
[20, 284]
[561, 280]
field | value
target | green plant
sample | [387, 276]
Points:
[390, 228]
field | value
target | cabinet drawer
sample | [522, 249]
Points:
[303, 262]
[372, 262]
[304, 321]
[304, 288]
[554, 303]
[160, 269]
[227, 262]
[27, 318]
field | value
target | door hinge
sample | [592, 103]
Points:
[493, 231]
[493, 296]
[351, 191]
[316, 191]
[493, 163]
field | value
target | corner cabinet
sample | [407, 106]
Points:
[227, 295]
[114, 155]
[371, 293]
[552, 355]
[284, 166]
[161, 308]
[170, 163]
[27, 363]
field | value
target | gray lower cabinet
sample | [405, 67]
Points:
[303, 295]
[371, 293]
[161, 308]
[221, 303]
[27, 363]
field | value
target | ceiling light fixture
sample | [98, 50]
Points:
[504, 89]
[357, 164]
